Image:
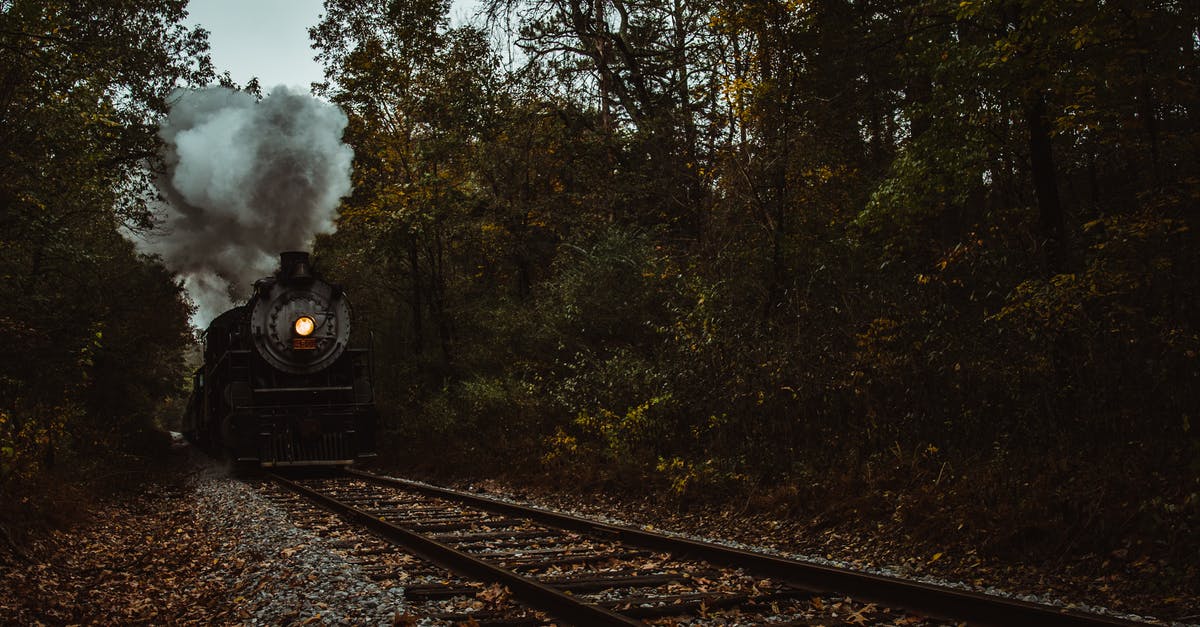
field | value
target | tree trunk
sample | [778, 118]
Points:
[1045, 182]
[414, 266]
[602, 46]
[690, 205]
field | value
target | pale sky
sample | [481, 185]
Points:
[269, 38]
[263, 38]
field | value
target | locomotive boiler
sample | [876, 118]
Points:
[280, 384]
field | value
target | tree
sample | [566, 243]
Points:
[81, 87]
[642, 69]
[416, 94]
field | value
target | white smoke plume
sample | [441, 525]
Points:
[245, 181]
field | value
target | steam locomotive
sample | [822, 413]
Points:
[280, 385]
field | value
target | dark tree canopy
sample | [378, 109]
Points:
[721, 245]
[94, 332]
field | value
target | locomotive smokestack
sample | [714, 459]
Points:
[245, 180]
[294, 266]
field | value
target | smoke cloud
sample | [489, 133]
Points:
[245, 181]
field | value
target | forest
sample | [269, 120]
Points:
[930, 261]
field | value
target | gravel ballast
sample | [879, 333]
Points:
[291, 573]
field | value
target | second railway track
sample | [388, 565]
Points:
[568, 570]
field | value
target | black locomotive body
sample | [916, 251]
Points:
[280, 385]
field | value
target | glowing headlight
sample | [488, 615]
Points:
[304, 326]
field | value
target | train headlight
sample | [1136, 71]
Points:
[304, 326]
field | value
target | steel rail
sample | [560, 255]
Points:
[540, 596]
[935, 601]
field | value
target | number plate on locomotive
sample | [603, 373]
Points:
[304, 343]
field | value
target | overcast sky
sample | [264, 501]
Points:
[269, 38]
[263, 38]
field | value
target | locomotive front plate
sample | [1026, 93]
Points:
[301, 328]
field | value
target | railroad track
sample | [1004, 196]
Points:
[508, 564]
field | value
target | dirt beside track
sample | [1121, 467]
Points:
[195, 548]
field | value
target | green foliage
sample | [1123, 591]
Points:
[609, 294]
[701, 478]
[1116, 331]
[606, 445]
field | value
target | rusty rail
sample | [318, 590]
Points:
[935, 601]
[543, 597]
